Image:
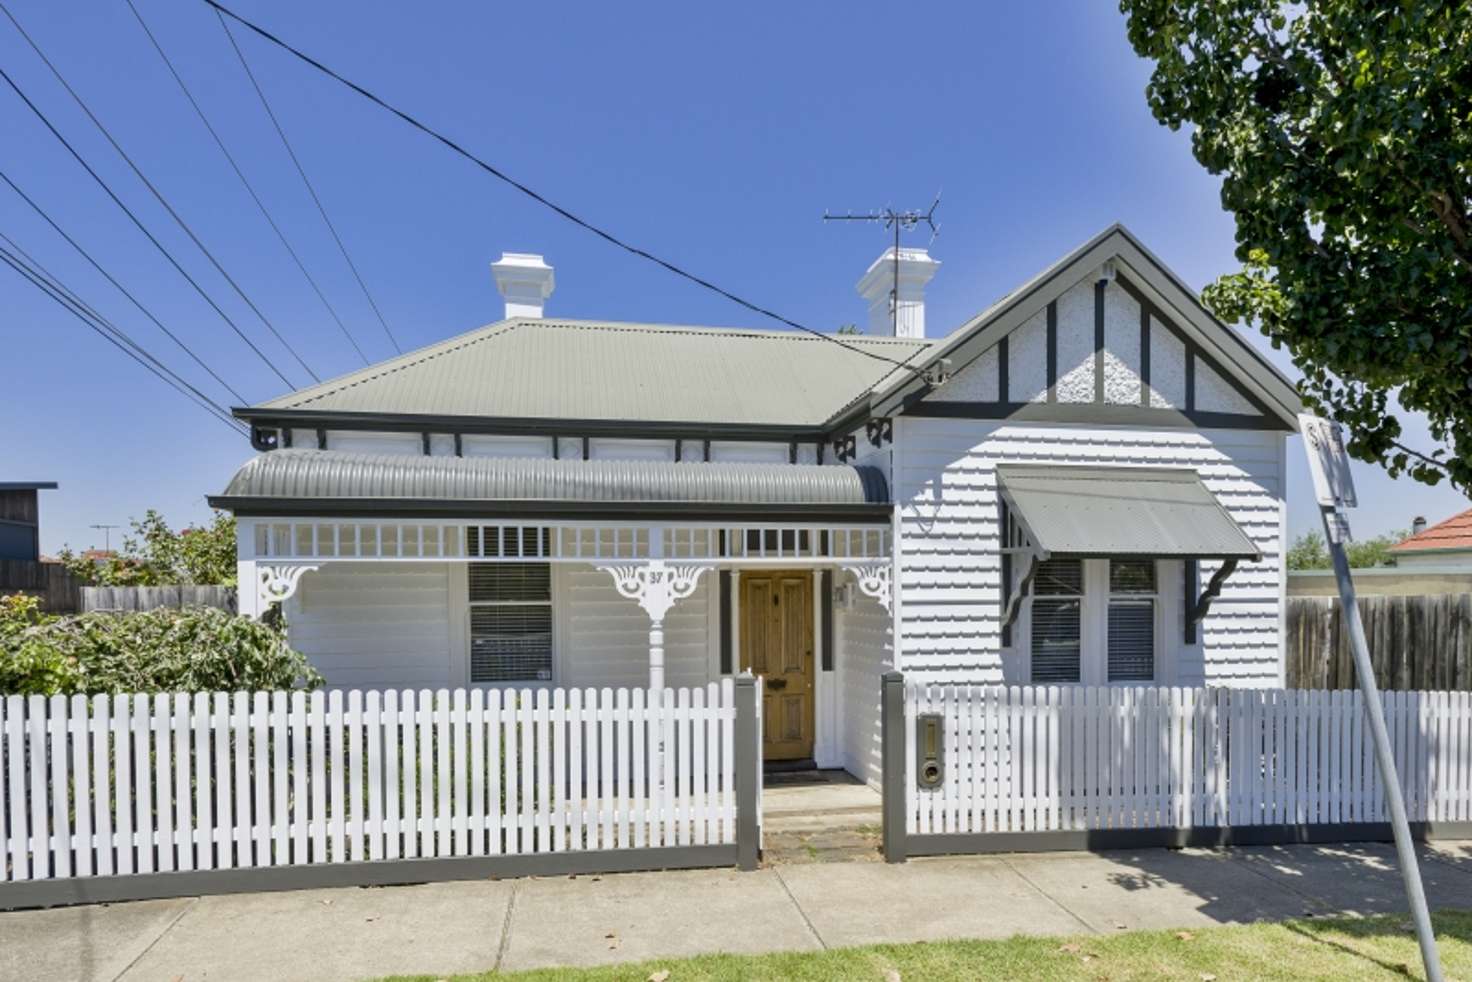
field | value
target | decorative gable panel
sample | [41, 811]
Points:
[1098, 348]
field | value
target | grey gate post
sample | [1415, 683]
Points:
[748, 774]
[892, 760]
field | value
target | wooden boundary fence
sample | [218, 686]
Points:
[1416, 642]
[1036, 767]
[112, 797]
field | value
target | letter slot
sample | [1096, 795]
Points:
[930, 750]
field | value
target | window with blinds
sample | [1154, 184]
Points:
[510, 622]
[1057, 610]
[1131, 620]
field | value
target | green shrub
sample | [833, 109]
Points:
[197, 649]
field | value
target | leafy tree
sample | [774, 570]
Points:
[1309, 551]
[155, 555]
[1343, 134]
[848, 329]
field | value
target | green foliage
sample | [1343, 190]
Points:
[155, 555]
[849, 329]
[1309, 551]
[197, 649]
[1341, 132]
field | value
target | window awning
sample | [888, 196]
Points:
[1121, 511]
[329, 482]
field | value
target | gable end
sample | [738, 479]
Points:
[1099, 352]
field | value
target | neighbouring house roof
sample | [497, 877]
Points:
[27, 485]
[307, 482]
[1113, 511]
[585, 370]
[1455, 533]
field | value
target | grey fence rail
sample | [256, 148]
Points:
[139, 598]
[1416, 642]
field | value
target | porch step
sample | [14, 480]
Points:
[786, 845]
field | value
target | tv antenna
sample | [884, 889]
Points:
[106, 535]
[899, 221]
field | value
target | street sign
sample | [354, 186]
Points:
[1328, 462]
[1323, 443]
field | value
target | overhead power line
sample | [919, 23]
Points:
[235, 166]
[144, 229]
[121, 289]
[38, 277]
[156, 193]
[500, 175]
[321, 210]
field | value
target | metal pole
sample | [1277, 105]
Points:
[1405, 849]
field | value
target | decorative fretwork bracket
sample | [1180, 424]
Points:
[880, 431]
[276, 584]
[874, 580]
[845, 448]
[657, 584]
[1212, 591]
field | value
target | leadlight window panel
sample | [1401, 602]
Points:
[1057, 621]
[1131, 623]
[510, 622]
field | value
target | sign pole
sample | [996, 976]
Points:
[1329, 464]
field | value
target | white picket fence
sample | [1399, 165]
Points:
[1057, 758]
[106, 785]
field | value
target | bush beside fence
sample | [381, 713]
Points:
[118, 786]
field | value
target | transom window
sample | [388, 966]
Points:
[1094, 621]
[510, 622]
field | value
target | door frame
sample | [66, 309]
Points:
[824, 751]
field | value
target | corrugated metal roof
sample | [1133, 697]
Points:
[593, 370]
[307, 475]
[1120, 511]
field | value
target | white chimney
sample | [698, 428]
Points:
[915, 270]
[525, 281]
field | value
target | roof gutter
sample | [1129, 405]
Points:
[527, 425]
[254, 506]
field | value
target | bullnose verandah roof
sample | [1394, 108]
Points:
[301, 481]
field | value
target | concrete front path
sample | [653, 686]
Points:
[445, 928]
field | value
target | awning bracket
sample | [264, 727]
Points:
[1213, 590]
[1024, 587]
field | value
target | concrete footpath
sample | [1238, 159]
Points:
[445, 928]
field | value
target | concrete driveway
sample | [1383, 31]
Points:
[444, 928]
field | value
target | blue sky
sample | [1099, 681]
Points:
[714, 136]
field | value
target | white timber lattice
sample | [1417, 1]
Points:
[306, 540]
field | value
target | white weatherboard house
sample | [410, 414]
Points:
[1083, 483]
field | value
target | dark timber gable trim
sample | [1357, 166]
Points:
[1099, 411]
[1213, 340]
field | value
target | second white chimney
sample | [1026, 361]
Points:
[526, 282]
[915, 270]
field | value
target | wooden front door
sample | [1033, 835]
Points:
[777, 644]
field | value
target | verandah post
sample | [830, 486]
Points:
[892, 762]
